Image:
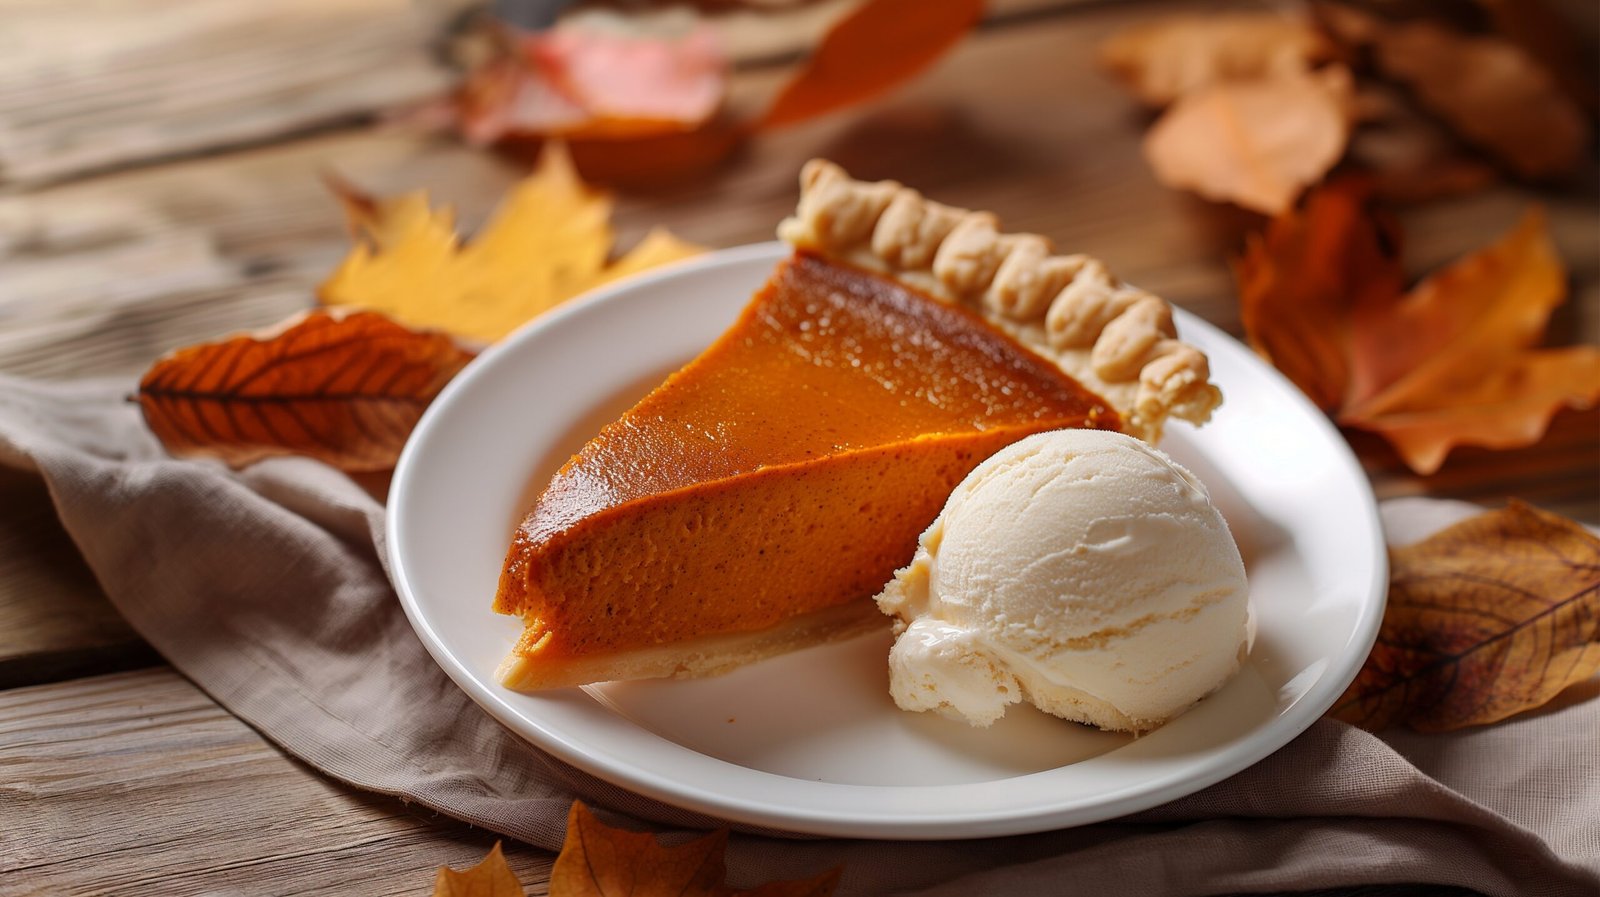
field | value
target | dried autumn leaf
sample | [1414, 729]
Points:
[1491, 92]
[345, 388]
[880, 44]
[1300, 279]
[1486, 619]
[671, 155]
[1258, 143]
[1412, 157]
[490, 878]
[1508, 406]
[598, 860]
[1165, 59]
[593, 77]
[1461, 319]
[1423, 178]
[1450, 363]
[1486, 88]
[548, 242]
[1559, 35]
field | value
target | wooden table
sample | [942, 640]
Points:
[160, 168]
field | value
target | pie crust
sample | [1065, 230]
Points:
[1115, 339]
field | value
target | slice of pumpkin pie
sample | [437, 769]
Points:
[757, 500]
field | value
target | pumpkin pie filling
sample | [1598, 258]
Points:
[756, 500]
[786, 470]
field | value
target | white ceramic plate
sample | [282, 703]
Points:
[811, 742]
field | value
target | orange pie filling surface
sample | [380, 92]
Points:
[786, 471]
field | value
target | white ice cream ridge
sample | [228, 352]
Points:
[1082, 571]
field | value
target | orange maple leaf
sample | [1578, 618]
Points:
[492, 877]
[1301, 279]
[1452, 362]
[598, 860]
[343, 387]
[1256, 144]
[1172, 56]
[1488, 618]
[1252, 119]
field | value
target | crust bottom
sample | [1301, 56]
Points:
[704, 656]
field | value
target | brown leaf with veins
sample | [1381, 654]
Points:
[1165, 59]
[1453, 362]
[490, 878]
[1257, 143]
[598, 860]
[1486, 619]
[344, 388]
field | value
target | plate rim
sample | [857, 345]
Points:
[887, 824]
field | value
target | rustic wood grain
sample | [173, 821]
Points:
[101, 276]
[54, 624]
[137, 783]
[86, 86]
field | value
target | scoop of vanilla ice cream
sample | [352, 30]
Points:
[1082, 571]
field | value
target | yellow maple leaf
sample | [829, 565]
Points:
[548, 242]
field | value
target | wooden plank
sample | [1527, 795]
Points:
[101, 276]
[87, 85]
[196, 803]
[53, 622]
[1559, 474]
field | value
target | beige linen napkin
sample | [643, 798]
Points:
[266, 588]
